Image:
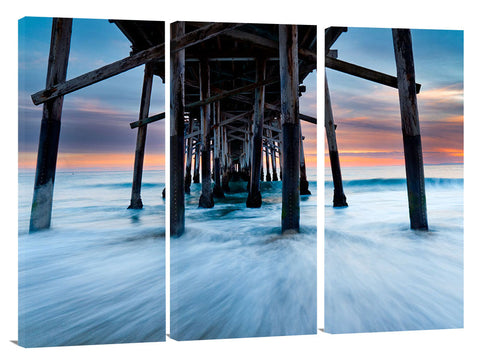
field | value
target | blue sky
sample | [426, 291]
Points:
[368, 115]
[95, 119]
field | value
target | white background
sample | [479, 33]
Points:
[436, 344]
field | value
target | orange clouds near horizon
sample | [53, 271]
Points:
[111, 161]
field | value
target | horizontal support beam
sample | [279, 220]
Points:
[100, 74]
[193, 134]
[364, 73]
[233, 119]
[201, 34]
[303, 54]
[147, 120]
[234, 137]
[307, 118]
[268, 127]
[140, 58]
[235, 129]
[228, 93]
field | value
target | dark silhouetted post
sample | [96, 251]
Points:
[412, 144]
[288, 51]
[254, 199]
[41, 213]
[196, 167]
[206, 198]
[226, 161]
[268, 177]
[177, 141]
[303, 169]
[188, 166]
[136, 200]
[217, 188]
[274, 162]
[339, 198]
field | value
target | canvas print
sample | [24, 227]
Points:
[393, 179]
[243, 187]
[91, 227]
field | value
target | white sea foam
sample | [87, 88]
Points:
[98, 275]
[233, 274]
[379, 274]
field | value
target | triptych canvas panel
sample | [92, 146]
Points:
[240, 182]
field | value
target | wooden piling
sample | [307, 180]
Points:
[188, 165]
[196, 167]
[217, 188]
[339, 198]
[177, 142]
[288, 52]
[136, 200]
[274, 160]
[303, 169]
[254, 199]
[412, 144]
[268, 177]
[206, 198]
[40, 216]
[225, 162]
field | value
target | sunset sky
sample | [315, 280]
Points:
[95, 121]
[368, 114]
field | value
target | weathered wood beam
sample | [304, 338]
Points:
[229, 93]
[137, 59]
[193, 134]
[177, 142]
[235, 118]
[307, 118]
[246, 88]
[331, 35]
[147, 120]
[304, 54]
[412, 142]
[248, 100]
[136, 200]
[236, 129]
[41, 212]
[364, 73]
[234, 137]
[269, 127]
[339, 198]
[105, 72]
[201, 34]
[288, 49]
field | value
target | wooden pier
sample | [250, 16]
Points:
[410, 125]
[235, 109]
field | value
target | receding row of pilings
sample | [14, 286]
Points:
[412, 145]
[227, 166]
[249, 163]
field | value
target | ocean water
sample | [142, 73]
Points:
[379, 274]
[233, 274]
[98, 275]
